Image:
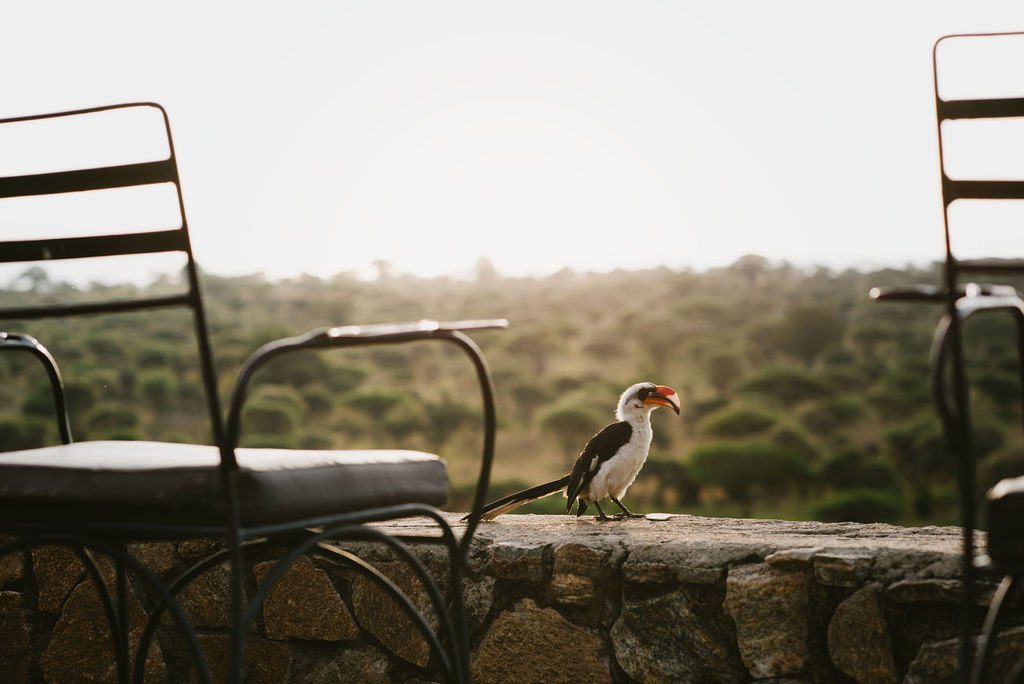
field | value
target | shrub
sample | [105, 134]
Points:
[829, 415]
[342, 379]
[747, 468]
[851, 469]
[159, 355]
[157, 387]
[859, 505]
[110, 415]
[267, 417]
[297, 370]
[267, 441]
[22, 433]
[736, 422]
[375, 402]
[38, 401]
[795, 440]
[787, 385]
[318, 400]
[316, 439]
[846, 378]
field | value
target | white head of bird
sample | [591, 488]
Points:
[637, 402]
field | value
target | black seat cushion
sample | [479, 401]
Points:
[1005, 511]
[179, 483]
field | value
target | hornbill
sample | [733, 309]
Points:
[608, 463]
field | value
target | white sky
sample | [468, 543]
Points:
[318, 137]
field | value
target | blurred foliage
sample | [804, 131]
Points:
[860, 505]
[801, 397]
[738, 421]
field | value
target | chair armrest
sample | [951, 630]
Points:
[932, 293]
[27, 343]
[383, 333]
[908, 293]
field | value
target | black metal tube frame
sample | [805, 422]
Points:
[952, 399]
[105, 537]
[29, 344]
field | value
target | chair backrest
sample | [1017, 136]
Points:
[108, 176]
[976, 102]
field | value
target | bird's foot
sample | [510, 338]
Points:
[627, 516]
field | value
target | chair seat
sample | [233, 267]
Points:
[160, 482]
[1005, 510]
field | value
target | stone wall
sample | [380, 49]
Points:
[552, 599]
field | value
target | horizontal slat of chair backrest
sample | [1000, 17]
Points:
[108, 177]
[80, 180]
[92, 179]
[1005, 106]
[94, 246]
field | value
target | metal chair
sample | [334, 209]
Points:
[96, 496]
[962, 300]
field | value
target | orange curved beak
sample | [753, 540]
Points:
[664, 396]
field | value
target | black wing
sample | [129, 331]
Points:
[600, 448]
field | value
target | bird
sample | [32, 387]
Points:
[609, 462]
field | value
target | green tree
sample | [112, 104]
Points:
[736, 422]
[830, 415]
[859, 505]
[571, 427]
[786, 385]
[749, 470]
[808, 330]
[444, 418]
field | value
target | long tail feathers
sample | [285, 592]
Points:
[507, 503]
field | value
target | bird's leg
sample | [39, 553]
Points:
[626, 513]
[581, 507]
[600, 513]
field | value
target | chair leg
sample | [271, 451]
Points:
[116, 618]
[954, 411]
[182, 581]
[990, 631]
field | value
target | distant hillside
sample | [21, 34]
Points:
[802, 398]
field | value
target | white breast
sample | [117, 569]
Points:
[615, 475]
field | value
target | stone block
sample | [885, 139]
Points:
[80, 648]
[479, 597]
[196, 548]
[57, 571]
[792, 559]
[364, 665]
[664, 639]
[207, 599]
[15, 636]
[703, 562]
[158, 557]
[533, 644]
[523, 562]
[580, 571]
[264, 662]
[842, 569]
[12, 567]
[858, 639]
[938, 591]
[771, 610]
[936, 662]
[303, 604]
[378, 614]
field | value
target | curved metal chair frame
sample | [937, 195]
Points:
[950, 390]
[293, 538]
